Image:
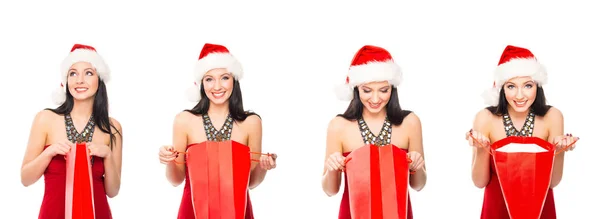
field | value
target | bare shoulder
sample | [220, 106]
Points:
[337, 124]
[45, 117]
[412, 121]
[554, 115]
[484, 116]
[252, 121]
[182, 118]
[116, 124]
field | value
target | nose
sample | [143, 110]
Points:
[520, 94]
[375, 97]
[217, 86]
[79, 79]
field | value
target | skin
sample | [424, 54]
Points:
[188, 129]
[48, 128]
[488, 128]
[344, 136]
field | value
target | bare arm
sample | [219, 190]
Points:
[175, 172]
[556, 129]
[35, 162]
[112, 163]
[480, 170]
[415, 143]
[254, 126]
[331, 179]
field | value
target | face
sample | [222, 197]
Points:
[82, 81]
[218, 84]
[520, 93]
[375, 95]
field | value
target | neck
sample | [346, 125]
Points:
[82, 108]
[517, 115]
[374, 116]
[218, 110]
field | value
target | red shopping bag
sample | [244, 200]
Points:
[79, 199]
[524, 168]
[378, 182]
[219, 175]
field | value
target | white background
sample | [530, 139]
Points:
[293, 55]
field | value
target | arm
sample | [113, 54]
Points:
[175, 172]
[480, 170]
[415, 143]
[254, 126]
[35, 162]
[331, 180]
[112, 162]
[556, 129]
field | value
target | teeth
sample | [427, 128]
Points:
[218, 94]
[80, 89]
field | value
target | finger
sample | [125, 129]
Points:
[271, 161]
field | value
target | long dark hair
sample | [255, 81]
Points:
[99, 109]
[539, 106]
[236, 105]
[393, 110]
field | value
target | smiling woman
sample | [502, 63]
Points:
[82, 117]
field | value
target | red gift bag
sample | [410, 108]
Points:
[378, 182]
[79, 199]
[219, 175]
[524, 168]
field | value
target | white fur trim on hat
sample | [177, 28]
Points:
[85, 55]
[517, 67]
[370, 72]
[59, 95]
[521, 67]
[209, 62]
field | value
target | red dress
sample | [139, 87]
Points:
[345, 204]
[494, 206]
[53, 203]
[186, 209]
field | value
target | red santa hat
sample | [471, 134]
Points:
[79, 53]
[211, 57]
[370, 64]
[515, 62]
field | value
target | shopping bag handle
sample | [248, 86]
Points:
[255, 160]
[565, 148]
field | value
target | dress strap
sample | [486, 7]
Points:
[212, 134]
[384, 137]
[526, 130]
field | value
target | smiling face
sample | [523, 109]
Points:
[375, 95]
[218, 85]
[82, 81]
[520, 93]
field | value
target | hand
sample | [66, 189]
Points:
[417, 161]
[268, 162]
[336, 162]
[480, 140]
[98, 150]
[59, 148]
[564, 141]
[167, 154]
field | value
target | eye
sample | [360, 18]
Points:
[529, 86]
[208, 79]
[510, 86]
[90, 73]
[384, 90]
[226, 77]
[72, 73]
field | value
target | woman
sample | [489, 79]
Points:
[516, 100]
[219, 100]
[371, 86]
[81, 117]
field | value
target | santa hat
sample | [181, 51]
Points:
[211, 57]
[370, 64]
[515, 62]
[79, 53]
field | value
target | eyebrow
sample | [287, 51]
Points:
[72, 69]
